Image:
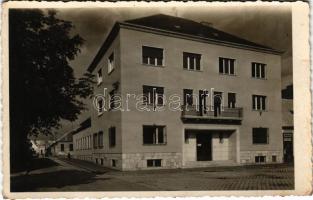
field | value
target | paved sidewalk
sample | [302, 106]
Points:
[85, 165]
[71, 176]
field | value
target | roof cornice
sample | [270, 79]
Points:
[197, 38]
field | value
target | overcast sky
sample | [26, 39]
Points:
[270, 26]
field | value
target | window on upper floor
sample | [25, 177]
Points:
[154, 134]
[227, 66]
[153, 95]
[152, 56]
[258, 70]
[231, 100]
[191, 61]
[258, 102]
[188, 97]
[95, 140]
[260, 136]
[100, 106]
[111, 63]
[112, 100]
[100, 139]
[112, 136]
[99, 76]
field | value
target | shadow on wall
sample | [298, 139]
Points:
[58, 179]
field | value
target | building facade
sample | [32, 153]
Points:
[185, 95]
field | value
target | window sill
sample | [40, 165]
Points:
[260, 143]
[256, 78]
[163, 144]
[152, 105]
[227, 74]
[192, 70]
[259, 110]
[99, 83]
[112, 70]
[150, 65]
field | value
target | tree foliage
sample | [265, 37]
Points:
[43, 89]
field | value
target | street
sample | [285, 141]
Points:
[73, 176]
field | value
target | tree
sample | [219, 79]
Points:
[43, 89]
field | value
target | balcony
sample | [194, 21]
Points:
[194, 114]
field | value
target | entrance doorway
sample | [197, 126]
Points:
[288, 147]
[204, 147]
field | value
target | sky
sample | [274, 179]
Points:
[266, 25]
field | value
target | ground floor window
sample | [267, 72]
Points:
[62, 147]
[113, 163]
[274, 158]
[101, 161]
[260, 136]
[112, 137]
[154, 134]
[154, 163]
[260, 159]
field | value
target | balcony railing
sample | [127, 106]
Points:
[208, 112]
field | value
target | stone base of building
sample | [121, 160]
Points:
[261, 157]
[151, 161]
[142, 161]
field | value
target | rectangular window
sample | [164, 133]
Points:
[154, 163]
[191, 61]
[258, 70]
[260, 159]
[258, 102]
[100, 106]
[152, 56]
[153, 95]
[231, 100]
[112, 99]
[113, 163]
[227, 66]
[100, 139]
[154, 135]
[112, 136]
[71, 147]
[188, 97]
[274, 158]
[260, 136]
[99, 76]
[111, 63]
[62, 147]
[95, 140]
